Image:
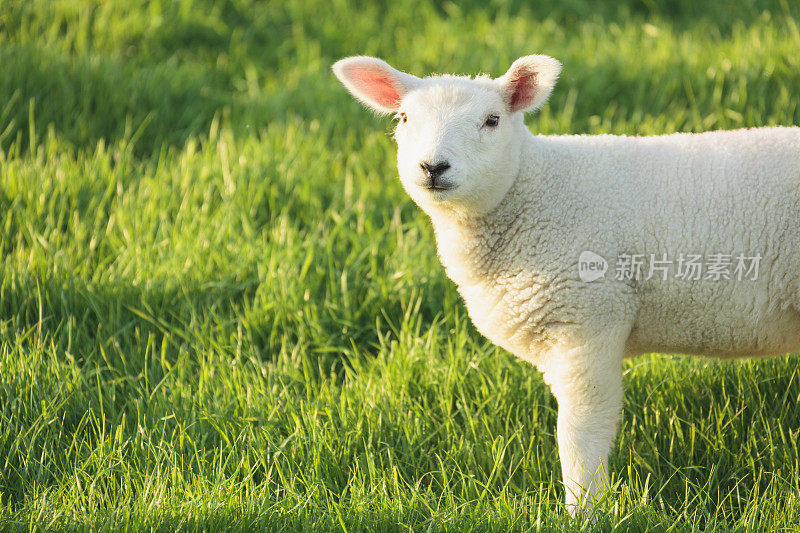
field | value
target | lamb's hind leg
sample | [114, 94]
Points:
[587, 383]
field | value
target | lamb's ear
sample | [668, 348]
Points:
[374, 82]
[529, 82]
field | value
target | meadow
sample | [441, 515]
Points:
[219, 310]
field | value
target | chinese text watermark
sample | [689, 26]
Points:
[688, 267]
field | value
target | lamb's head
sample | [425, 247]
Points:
[458, 138]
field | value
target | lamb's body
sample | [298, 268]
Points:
[514, 212]
[732, 192]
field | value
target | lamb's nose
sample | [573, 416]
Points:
[434, 170]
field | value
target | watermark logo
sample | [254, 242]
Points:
[688, 267]
[591, 266]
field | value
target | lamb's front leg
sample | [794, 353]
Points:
[587, 383]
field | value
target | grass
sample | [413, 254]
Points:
[219, 310]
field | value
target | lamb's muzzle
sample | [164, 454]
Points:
[434, 171]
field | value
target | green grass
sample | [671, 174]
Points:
[218, 308]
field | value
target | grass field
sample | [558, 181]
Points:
[218, 309]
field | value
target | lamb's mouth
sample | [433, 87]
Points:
[439, 187]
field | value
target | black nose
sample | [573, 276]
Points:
[434, 170]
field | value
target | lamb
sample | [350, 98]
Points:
[574, 252]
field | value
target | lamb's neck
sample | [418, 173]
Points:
[470, 246]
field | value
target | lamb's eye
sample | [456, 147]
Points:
[401, 117]
[492, 121]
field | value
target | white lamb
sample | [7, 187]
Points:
[573, 252]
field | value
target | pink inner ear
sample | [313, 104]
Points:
[523, 83]
[376, 85]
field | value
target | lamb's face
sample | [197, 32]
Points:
[457, 144]
[458, 138]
